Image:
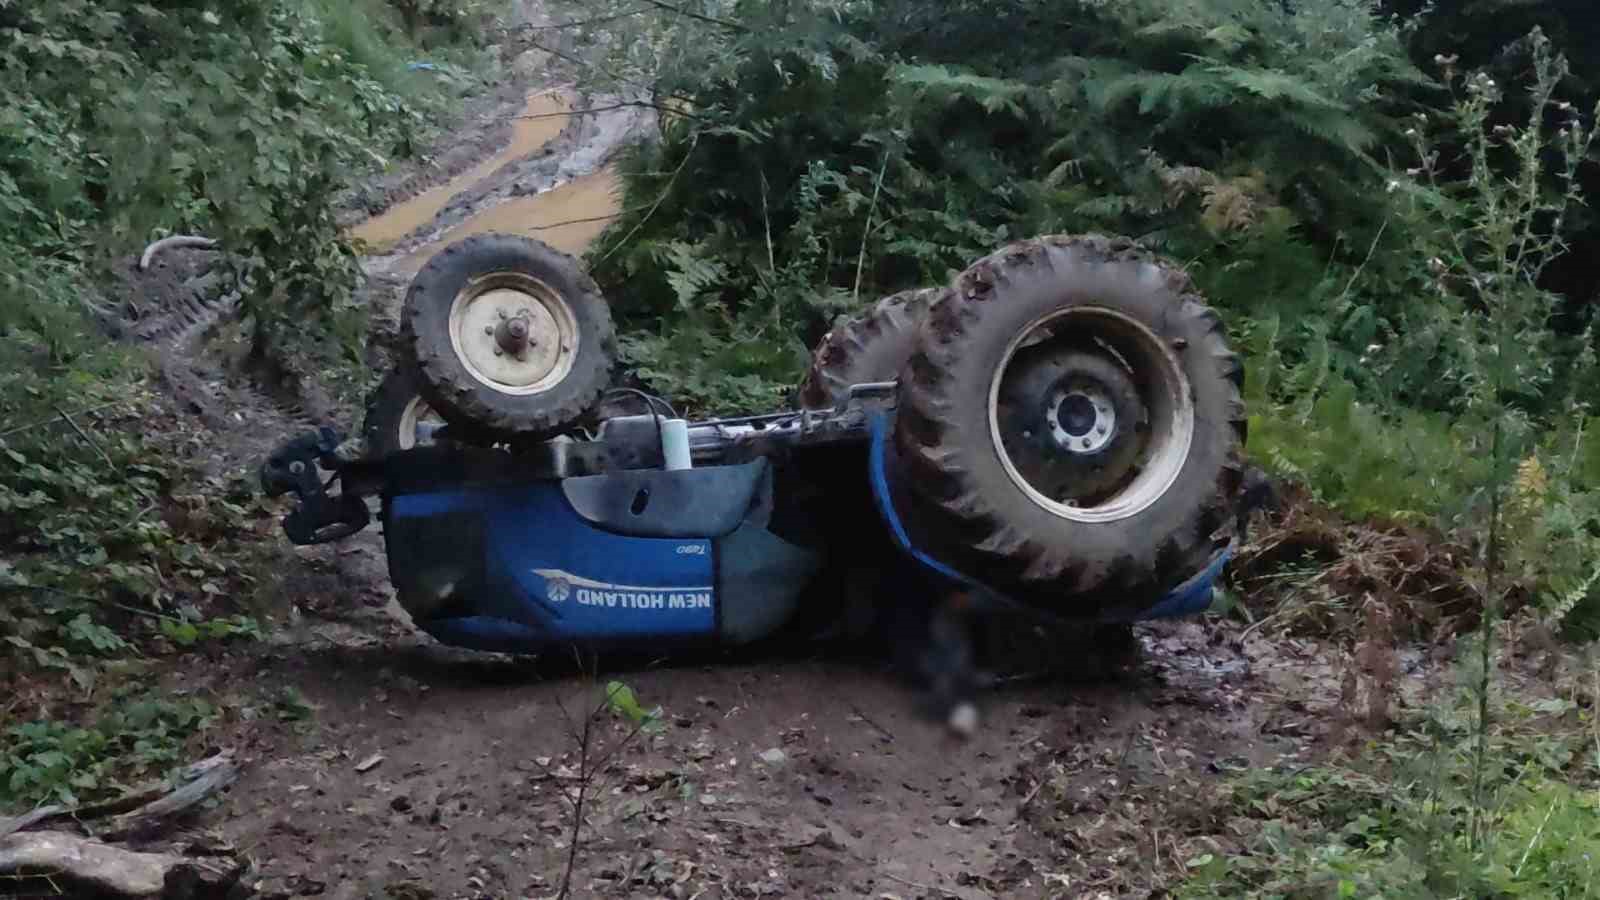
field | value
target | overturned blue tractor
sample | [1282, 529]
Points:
[1057, 434]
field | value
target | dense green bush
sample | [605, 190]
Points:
[238, 119]
[838, 152]
[241, 120]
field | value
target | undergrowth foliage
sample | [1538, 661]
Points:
[1481, 793]
[245, 121]
[831, 153]
[1395, 823]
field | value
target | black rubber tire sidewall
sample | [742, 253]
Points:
[471, 405]
[871, 347]
[943, 435]
[386, 410]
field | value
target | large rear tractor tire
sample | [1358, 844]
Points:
[872, 347]
[1072, 417]
[510, 336]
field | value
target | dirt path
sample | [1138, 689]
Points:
[383, 765]
[783, 778]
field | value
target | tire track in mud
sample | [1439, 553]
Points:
[525, 163]
[177, 301]
[530, 187]
[513, 166]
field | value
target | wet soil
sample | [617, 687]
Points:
[790, 776]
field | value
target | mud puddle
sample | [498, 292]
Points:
[542, 122]
[553, 181]
[569, 218]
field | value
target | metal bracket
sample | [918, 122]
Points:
[294, 468]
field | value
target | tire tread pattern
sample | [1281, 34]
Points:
[939, 456]
[464, 402]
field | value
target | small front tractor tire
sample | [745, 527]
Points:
[396, 413]
[510, 336]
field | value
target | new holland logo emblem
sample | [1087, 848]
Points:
[558, 589]
[560, 586]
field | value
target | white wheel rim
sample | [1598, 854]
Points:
[481, 311]
[415, 413]
[1171, 406]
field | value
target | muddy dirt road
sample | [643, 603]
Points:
[380, 764]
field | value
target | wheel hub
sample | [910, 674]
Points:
[513, 333]
[1069, 421]
[417, 424]
[1083, 420]
[1091, 415]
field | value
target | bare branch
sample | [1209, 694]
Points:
[657, 204]
[711, 20]
[625, 104]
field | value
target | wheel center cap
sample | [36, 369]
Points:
[1082, 420]
[512, 335]
[1076, 415]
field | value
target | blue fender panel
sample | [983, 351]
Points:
[760, 578]
[689, 503]
[1189, 598]
[520, 556]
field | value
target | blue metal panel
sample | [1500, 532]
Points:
[1193, 596]
[1190, 598]
[549, 574]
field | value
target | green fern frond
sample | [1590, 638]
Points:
[1336, 128]
[1570, 599]
[1271, 84]
[691, 274]
[993, 94]
[1191, 90]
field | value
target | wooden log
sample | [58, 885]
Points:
[149, 802]
[74, 866]
[205, 778]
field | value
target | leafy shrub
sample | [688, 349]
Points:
[835, 153]
[1398, 821]
[51, 761]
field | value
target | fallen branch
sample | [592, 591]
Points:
[143, 808]
[576, 23]
[58, 417]
[203, 779]
[699, 17]
[693, 142]
[93, 444]
[87, 866]
[929, 888]
[173, 243]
